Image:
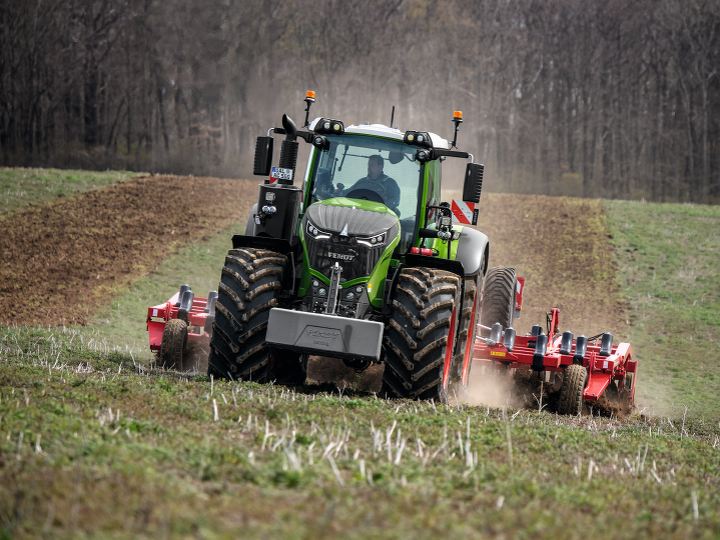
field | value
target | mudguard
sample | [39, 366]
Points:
[437, 263]
[473, 251]
[279, 245]
[250, 227]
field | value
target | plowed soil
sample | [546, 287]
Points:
[63, 259]
[561, 246]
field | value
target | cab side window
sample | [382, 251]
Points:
[433, 189]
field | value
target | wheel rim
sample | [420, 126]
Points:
[470, 345]
[449, 350]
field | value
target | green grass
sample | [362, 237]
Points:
[20, 187]
[198, 265]
[669, 265]
[93, 446]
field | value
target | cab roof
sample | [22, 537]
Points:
[380, 130]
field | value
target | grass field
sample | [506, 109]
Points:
[669, 264]
[95, 442]
[93, 445]
[20, 187]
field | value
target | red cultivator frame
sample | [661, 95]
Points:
[181, 319]
[590, 366]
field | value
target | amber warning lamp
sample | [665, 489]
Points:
[457, 120]
[309, 99]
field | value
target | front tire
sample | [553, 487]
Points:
[467, 330]
[421, 335]
[249, 287]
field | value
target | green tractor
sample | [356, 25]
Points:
[361, 262]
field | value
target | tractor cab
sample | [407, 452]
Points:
[373, 163]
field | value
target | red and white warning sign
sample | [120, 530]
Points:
[464, 213]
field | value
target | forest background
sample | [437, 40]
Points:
[593, 98]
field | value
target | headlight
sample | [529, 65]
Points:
[420, 138]
[314, 232]
[328, 125]
[372, 241]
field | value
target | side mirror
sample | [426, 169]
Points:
[395, 157]
[472, 189]
[263, 156]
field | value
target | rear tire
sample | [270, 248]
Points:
[421, 335]
[174, 344]
[498, 301]
[571, 392]
[249, 287]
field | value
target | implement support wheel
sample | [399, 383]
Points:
[174, 344]
[571, 393]
[421, 335]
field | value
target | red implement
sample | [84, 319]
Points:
[603, 365]
[159, 315]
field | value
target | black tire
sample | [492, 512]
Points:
[498, 300]
[421, 335]
[173, 344]
[467, 330]
[249, 287]
[571, 392]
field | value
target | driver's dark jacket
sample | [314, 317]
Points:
[391, 193]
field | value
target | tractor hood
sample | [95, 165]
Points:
[358, 218]
[354, 233]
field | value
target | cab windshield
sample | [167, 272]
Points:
[373, 169]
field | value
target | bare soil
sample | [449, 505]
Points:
[561, 246]
[62, 260]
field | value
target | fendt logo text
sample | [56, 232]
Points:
[340, 256]
[325, 334]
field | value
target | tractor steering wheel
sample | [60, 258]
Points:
[366, 194]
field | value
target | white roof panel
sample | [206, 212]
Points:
[380, 130]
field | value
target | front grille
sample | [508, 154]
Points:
[356, 259]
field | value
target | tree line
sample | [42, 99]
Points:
[595, 98]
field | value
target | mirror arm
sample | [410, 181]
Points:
[436, 153]
[307, 136]
[427, 233]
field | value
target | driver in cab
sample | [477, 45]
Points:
[377, 181]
